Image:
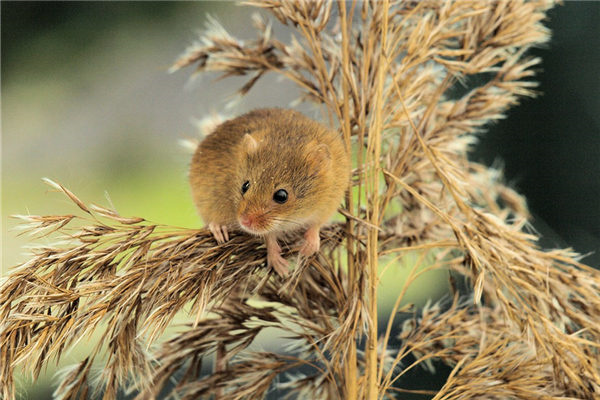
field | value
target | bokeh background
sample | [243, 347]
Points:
[87, 101]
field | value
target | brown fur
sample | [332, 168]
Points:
[286, 151]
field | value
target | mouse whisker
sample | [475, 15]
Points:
[287, 220]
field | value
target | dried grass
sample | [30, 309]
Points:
[386, 75]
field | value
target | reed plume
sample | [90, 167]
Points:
[409, 85]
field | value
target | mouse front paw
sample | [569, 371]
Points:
[274, 258]
[219, 232]
[278, 263]
[312, 242]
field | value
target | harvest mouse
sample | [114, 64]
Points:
[269, 172]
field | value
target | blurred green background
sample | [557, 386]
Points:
[87, 101]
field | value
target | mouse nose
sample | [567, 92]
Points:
[253, 222]
[246, 221]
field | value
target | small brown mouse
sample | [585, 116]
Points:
[268, 172]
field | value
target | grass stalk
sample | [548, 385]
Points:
[373, 179]
[350, 363]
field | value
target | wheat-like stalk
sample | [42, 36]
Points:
[388, 76]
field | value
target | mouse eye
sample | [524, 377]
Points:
[245, 187]
[280, 196]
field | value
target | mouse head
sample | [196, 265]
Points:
[278, 183]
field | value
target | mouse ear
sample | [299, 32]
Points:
[249, 144]
[318, 156]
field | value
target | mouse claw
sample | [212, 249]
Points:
[219, 232]
[312, 242]
[225, 233]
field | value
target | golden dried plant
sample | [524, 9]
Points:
[387, 75]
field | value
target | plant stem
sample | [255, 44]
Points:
[374, 153]
[350, 367]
